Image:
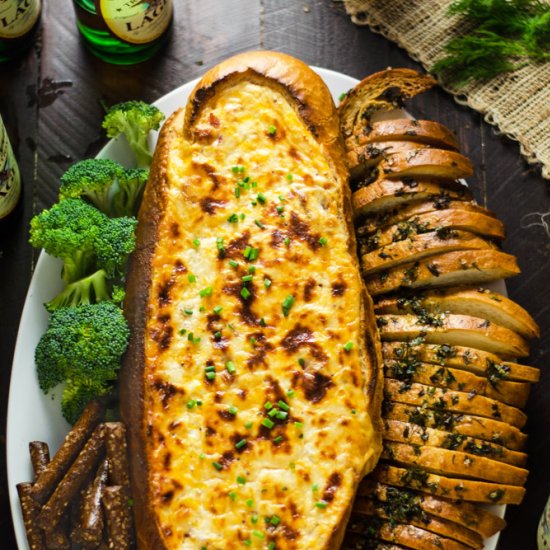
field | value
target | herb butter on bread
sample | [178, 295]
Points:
[252, 385]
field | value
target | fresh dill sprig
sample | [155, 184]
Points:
[507, 35]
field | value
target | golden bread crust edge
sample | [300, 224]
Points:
[308, 94]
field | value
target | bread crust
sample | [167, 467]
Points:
[310, 98]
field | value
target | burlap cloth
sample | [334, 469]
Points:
[518, 103]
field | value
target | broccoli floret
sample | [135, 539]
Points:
[84, 238]
[83, 347]
[93, 180]
[106, 184]
[134, 119]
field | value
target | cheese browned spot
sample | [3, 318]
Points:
[255, 387]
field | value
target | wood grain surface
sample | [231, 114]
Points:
[52, 100]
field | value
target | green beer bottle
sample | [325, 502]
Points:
[124, 32]
[19, 20]
[10, 179]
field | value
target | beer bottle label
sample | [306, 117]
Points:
[17, 17]
[136, 21]
[10, 180]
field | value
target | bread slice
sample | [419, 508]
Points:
[426, 522]
[412, 370]
[470, 425]
[451, 329]
[425, 163]
[387, 219]
[384, 90]
[451, 488]
[386, 194]
[478, 302]
[469, 359]
[453, 463]
[452, 401]
[407, 432]
[460, 267]
[446, 220]
[473, 517]
[409, 536]
[426, 132]
[367, 156]
[420, 246]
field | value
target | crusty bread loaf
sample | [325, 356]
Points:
[246, 205]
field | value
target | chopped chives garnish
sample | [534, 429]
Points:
[202, 309]
[272, 130]
[230, 326]
[288, 302]
[280, 209]
[237, 168]
[245, 293]
[210, 375]
[259, 224]
[199, 402]
[261, 198]
[233, 218]
[268, 423]
[233, 263]
[286, 241]
[219, 244]
[315, 487]
[217, 310]
[237, 192]
[262, 322]
[275, 520]
[254, 203]
[241, 480]
[298, 425]
[190, 336]
[283, 405]
[289, 177]
[196, 340]
[272, 413]
[248, 542]
[281, 198]
[267, 282]
[249, 502]
[183, 331]
[323, 241]
[342, 96]
[348, 346]
[278, 439]
[251, 269]
[210, 368]
[254, 518]
[302, 362]
[230, 366]
[232, 495]
[246, 252]
[290, 393]
[191, 403]
[196, 243]
[353, 411]
[258, 534]
[242, 217]
[248, 425]
[217, 335]
[240, 444]
[254, 184]
[281, 415]
[321, 504]
[247, 278]
[202, 456]
[270, 546]
[254, 253]
[232, 410]
[217, 465]
[191, 278]
[268, 405]
[207, 291]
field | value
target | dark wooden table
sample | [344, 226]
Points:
[51, 102]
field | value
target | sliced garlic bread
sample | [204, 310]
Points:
[487, 429]
[426, 132]
[407, 432]
[452, 401]
[425, 163]
[511, 393]
[387, 219]
[453, 463]
[471, 516]
[442, 220]
[451, 329]
[478, 302]
[420, 246]
[451, 488]
[387, 194]
[472, 360]
[461, 267]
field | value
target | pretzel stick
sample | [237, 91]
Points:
[30, 510]
[115, 441]
[91, 515]
[73, 480]
[40, 456]
[117, 514]
[49, 478]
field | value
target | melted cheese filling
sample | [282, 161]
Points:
[257, 420]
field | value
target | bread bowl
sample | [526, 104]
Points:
[452, 329]
[407, 432]
[465, 358]
[420, 246]
[385, 194]
[186, 455]
[462, 267]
